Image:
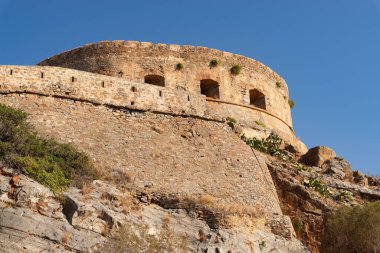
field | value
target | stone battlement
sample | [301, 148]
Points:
[145, 77]
[136, 45]
[98, 89]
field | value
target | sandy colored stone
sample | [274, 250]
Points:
[317, 156]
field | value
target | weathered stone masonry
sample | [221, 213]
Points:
[80, 97]
[98, 89]
[256, 94]
[145, 76]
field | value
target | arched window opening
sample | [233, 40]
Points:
[210, 88]
[257, 98]
[155, 80]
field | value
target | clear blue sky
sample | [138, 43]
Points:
[327, 50]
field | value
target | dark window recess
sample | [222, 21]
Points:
[134, 89]
[42, 75]
[11, 72]
[73, 79]
[210, 88]
[155, 80]
[103, 84]
[160, 93]
[257, 98]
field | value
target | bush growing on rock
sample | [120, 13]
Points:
[270, 145]
[235, 70]
[353, 230]
[53, 164]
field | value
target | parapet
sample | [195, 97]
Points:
[171, 79]
[194, 69]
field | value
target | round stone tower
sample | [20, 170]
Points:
[233, 85]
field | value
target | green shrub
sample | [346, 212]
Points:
[317, 185]
[262, 245]
[179, 66]
[298, 225]
[353, 230]
[278, 84]
[235, 70]
[214, 63]
[259, 123]
[270, 145]
[52, 164]
[230, 119]
[43, 170]
[344, 196]
[291, 103]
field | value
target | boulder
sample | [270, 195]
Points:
[317, 156]
[338, 168]
[360, 178]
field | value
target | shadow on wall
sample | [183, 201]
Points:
[210, 88]
[155, 80]
[257, 98]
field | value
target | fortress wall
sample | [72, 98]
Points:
[246, 116]
[97, 89]
[117, 92]
[133, 60]
[151, 147]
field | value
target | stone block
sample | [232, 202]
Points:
[317, 156]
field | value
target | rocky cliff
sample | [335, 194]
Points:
[174, 177]
[194, 177]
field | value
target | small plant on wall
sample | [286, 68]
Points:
[214, 63]
[235, 70]
[179, 66]
[291, 103]
[278, 84]
[230, 119]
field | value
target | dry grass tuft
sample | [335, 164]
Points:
[103, 173]
[130, 205]
[136, 238]
[206, 199]
[106, 230]
[66, 237]
[202, 236]
[166, 221]
[86, 189]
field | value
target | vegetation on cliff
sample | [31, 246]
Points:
[53, 164]
[355, 230]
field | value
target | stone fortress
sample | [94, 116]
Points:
[158, 112]
[173, 79]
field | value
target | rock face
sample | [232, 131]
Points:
[338, 168]
[33, 220]
[317, 156]
[158, 153]
[307, 206]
